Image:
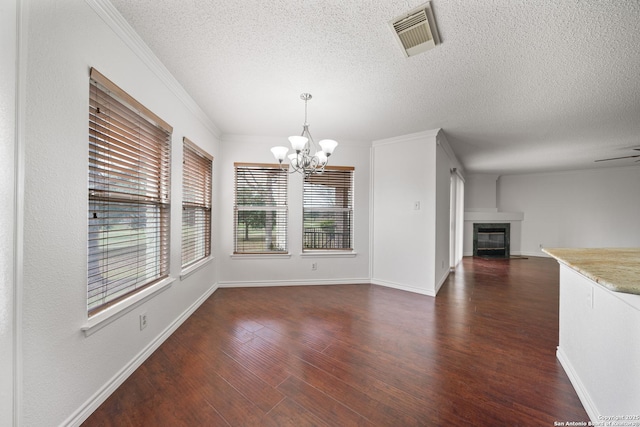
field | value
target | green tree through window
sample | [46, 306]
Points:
[260, 208]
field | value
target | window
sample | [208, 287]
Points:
[328, 210]
[128, 240]
[196, 203]
[260, 209]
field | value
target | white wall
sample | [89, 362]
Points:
[403, 236]
[65, 373]
[596, 318]
[589, 208]
[8, 58]
[480, 192]
[411, 211]
[457, 220]
[245, 270]
[443, 213]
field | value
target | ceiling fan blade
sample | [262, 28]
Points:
[618, 158]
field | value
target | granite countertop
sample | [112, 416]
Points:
[617, 269]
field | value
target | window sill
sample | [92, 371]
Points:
[108, 315]
[195, 267]
[330, 254]
[260, 256]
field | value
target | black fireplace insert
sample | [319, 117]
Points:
[491, 240]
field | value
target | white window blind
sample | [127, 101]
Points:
[328, 210]
[260, 208]
[196, 203]
[128, 239]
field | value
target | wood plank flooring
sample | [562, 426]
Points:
[482, 353]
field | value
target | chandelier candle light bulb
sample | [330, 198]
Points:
[298, 142]
[322, 157]
[328, 145]
[279, 153]
[302, 160]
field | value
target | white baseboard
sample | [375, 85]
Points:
[305, 282]
[256, 284]
[82, 413]
[428, 292]
[441, 281]
[579, 387]
[519, 253]
[539, 254]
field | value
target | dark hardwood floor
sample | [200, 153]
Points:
[482, 353]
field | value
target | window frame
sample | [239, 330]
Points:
[197, 184]
[311, 203]
[129, 167]
[279, 208]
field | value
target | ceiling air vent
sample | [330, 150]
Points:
[416, 30]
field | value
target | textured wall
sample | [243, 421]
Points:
[254, 271]
[404, 172]
[480, 192]
[443, 214]
[590, 208]
[63, 369]
[7, 204]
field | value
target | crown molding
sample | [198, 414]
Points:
[110, 15]
[453, 159]
[433, 133]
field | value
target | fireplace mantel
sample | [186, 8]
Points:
[484, 216]
[493, 216]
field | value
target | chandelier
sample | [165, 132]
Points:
[307, 159]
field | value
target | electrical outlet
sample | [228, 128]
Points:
[314, 266]
[143, 321]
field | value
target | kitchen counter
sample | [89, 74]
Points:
[617, 269]
[599, 322]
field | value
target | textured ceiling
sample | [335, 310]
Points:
[517, 86]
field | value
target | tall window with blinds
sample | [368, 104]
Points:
[196, 203]
[260, 209]
[328, 210]
[128, 217]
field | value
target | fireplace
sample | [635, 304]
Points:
[491, 240]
